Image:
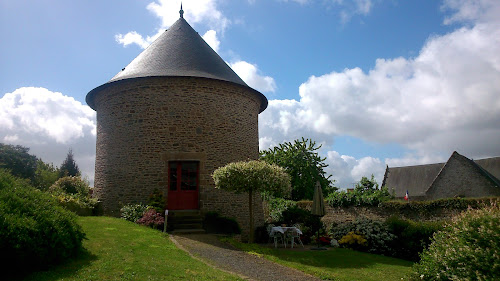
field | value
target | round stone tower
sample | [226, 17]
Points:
[170, 118]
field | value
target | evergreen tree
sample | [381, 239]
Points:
[69, 167]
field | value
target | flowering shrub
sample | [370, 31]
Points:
[324, 240]
[133, 212]
[334, 243]
[376, 233]
[152, 219]
[353, 240]
[467, 249]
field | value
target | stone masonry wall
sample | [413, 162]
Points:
[142, 124]
[344, 214]
[460, 179]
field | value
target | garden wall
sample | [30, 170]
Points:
[443, 209]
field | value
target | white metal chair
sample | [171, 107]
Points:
[275, 235]
[293, 234]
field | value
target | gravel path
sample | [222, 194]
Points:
[223, 256]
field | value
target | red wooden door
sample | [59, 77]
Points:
[183, 182]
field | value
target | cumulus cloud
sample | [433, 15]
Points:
[49, 123]
[198, 11]
[250, 74]
[347, 170]
[446, 95]
[444, 99]
[211, 38]
[133, 38]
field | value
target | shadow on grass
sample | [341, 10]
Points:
[331, 258]
[62, 270]
[216, 240]
[337, 258]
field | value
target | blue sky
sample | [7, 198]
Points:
[376, 82]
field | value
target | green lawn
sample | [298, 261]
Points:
[121, 250]
[334, 264]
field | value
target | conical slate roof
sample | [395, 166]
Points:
[179, 51]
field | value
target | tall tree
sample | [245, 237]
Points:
[252, 177]
[304, 165]
[366, 185]
[17, 159]
[69, 167]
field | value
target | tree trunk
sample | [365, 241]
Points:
[250, 209]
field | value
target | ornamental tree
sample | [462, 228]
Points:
[252, 176]
[304, 165]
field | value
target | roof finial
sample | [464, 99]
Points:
[181, 12]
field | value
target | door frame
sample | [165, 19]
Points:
[185, 156]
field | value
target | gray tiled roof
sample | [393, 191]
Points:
[178, 52]
[418, 179]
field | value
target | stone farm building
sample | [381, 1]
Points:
[458, 177]
[170, 118]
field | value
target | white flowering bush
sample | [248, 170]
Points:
[376, 233]
[334, 243]
[467, 249]
[133, 212]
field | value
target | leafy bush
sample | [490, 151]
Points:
[467, 249]
[214, 223]
[376, 233]
[45, 175]
[359, 197]
[411, 237]
[133, 212]
[70, 185]
[152, 219]
[309, 224]
[34, 230]
[157, 201]
[277, 206]
[261, 235]
[73, 193]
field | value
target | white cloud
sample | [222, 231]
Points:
[132, 38]
[195, 12]
[49, 123]
[444, 99]
[250, 74]
[211, 38]
[347, 170]
[348, 9]
[471, 10]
